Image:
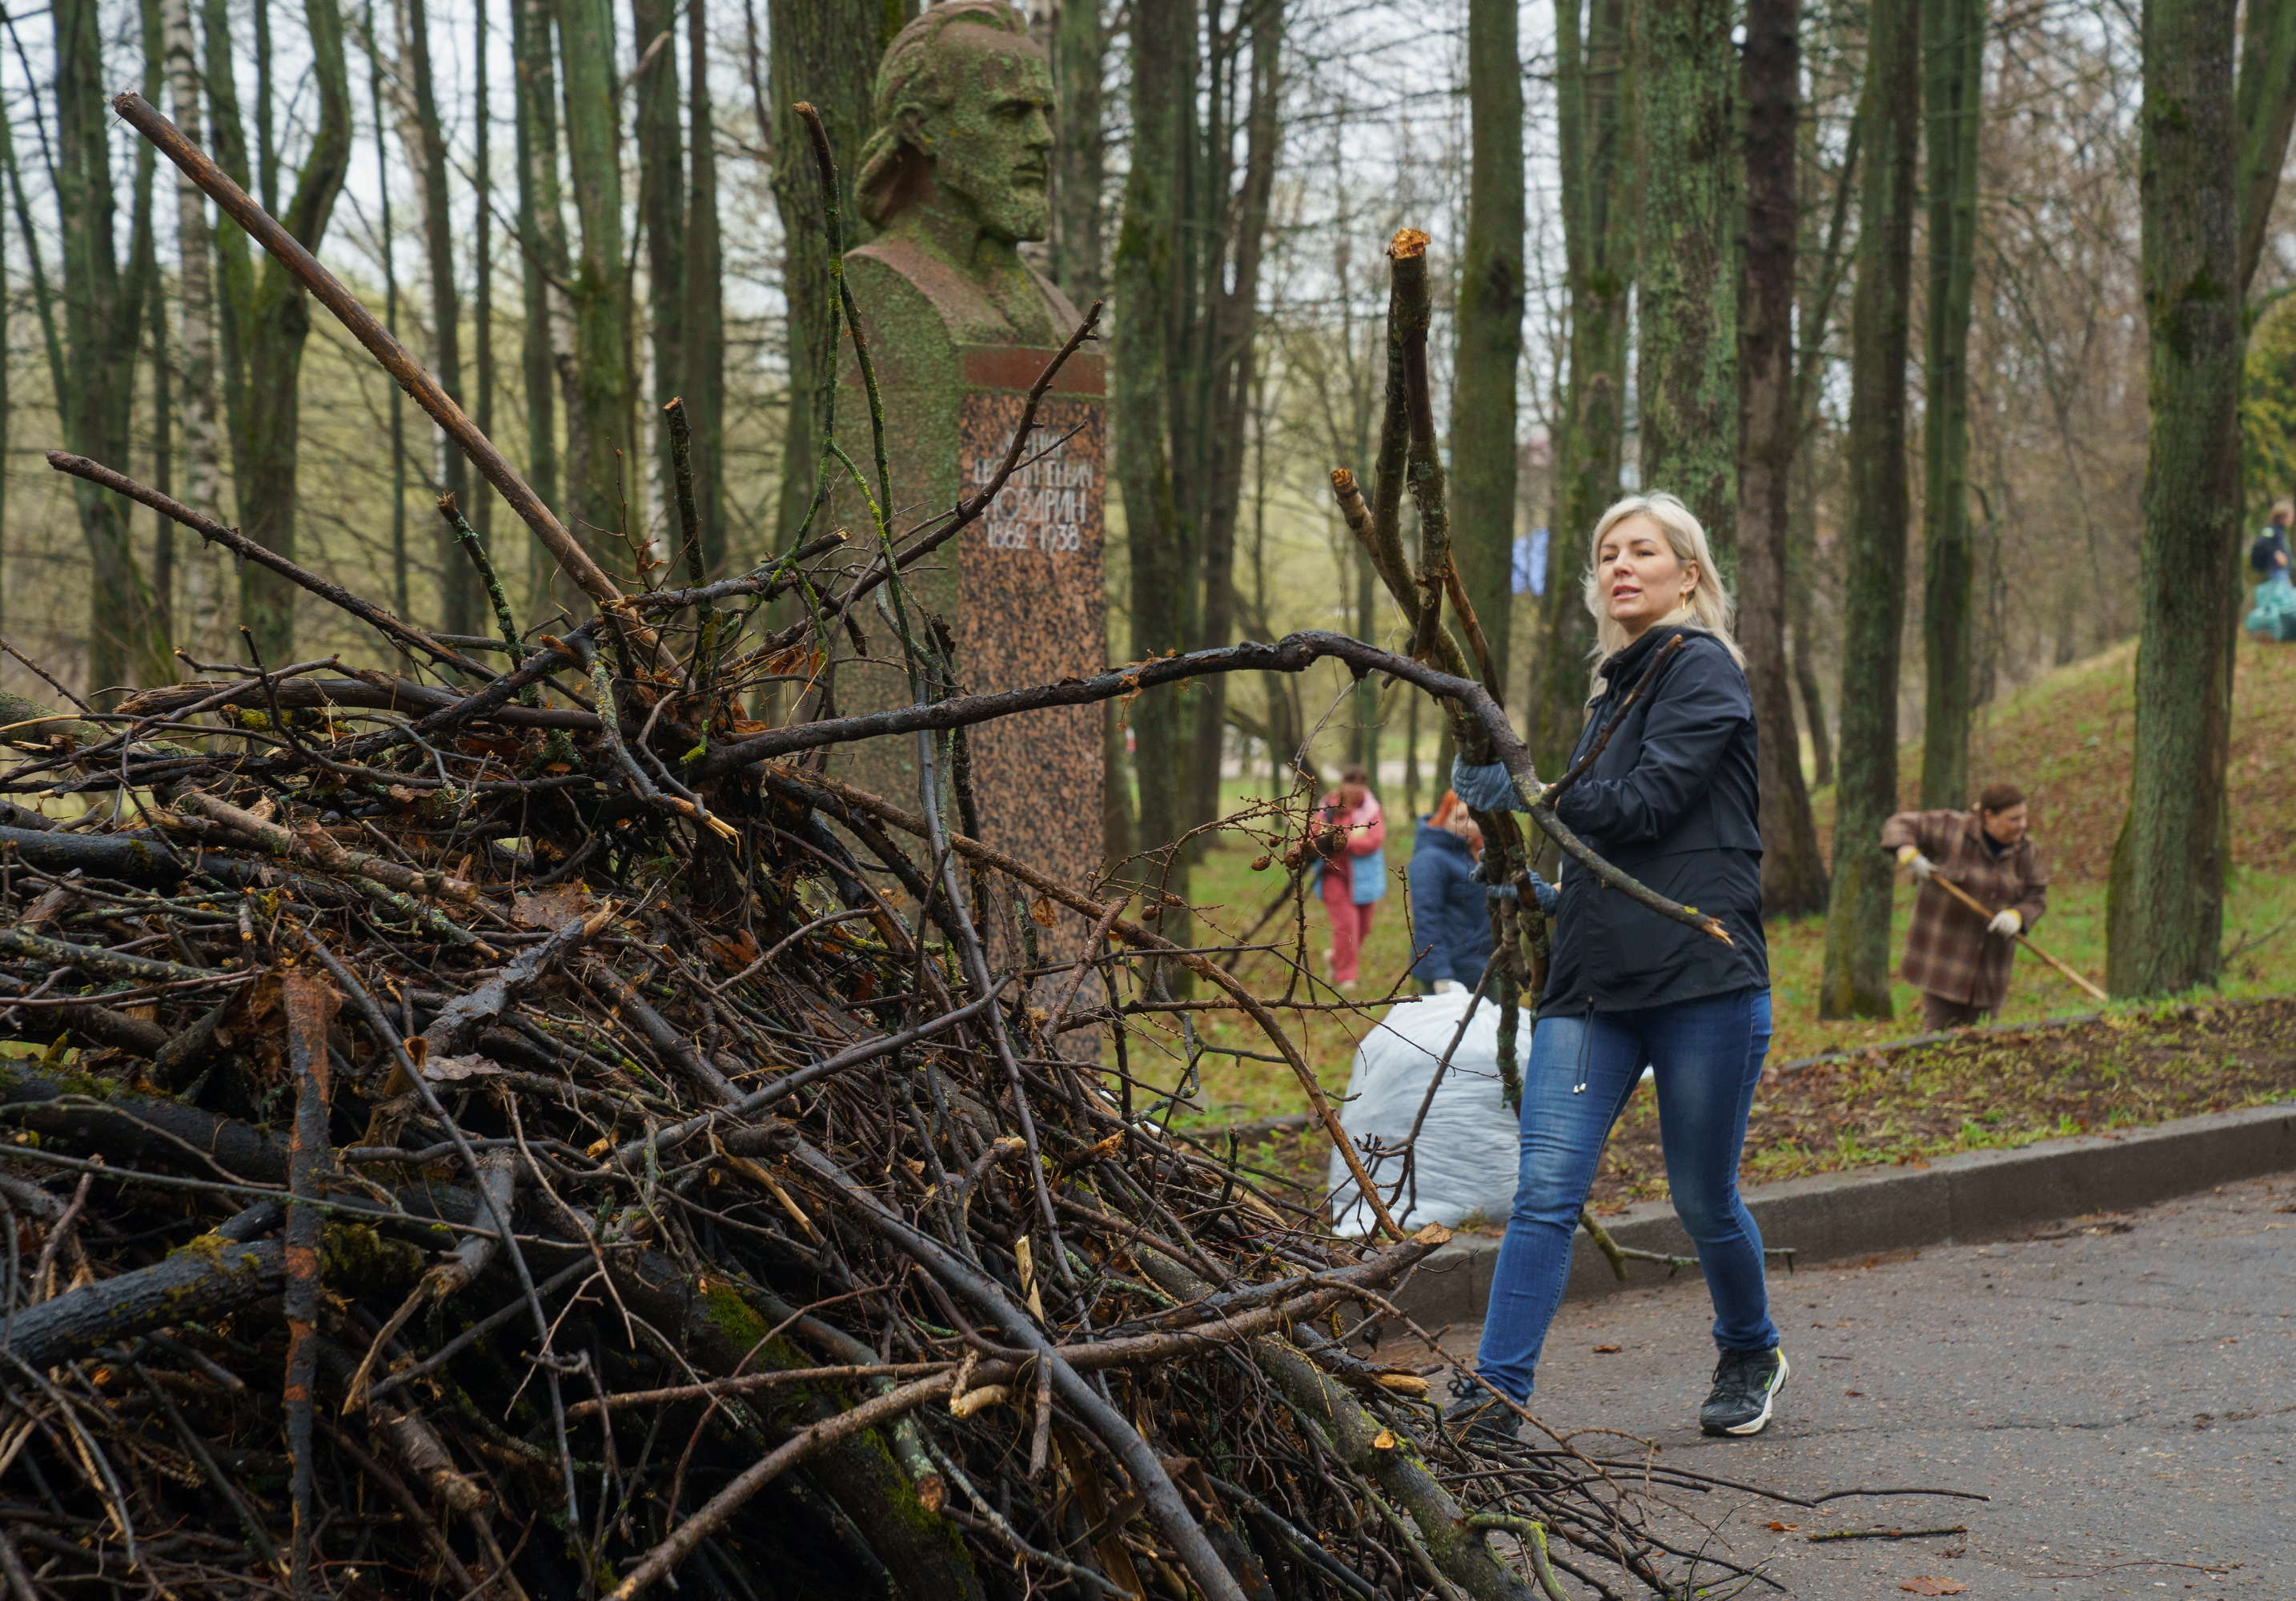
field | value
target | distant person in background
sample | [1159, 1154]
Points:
[1450, 907]
[2273, 615]
[1958, 960]
[1348, 832]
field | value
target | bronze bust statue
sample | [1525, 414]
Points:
[954, 174]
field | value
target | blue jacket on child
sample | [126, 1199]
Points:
[1451, 921]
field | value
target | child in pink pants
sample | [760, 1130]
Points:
[1352, 869]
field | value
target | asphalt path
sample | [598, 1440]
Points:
[2121, 1387]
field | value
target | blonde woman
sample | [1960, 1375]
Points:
[1672, 800]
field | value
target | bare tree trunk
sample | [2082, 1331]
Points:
[824, 52]
[200, 615]
[1793, 877]
[267, 318]
[146, 273]
[1489, 328]
[103, 328]
[1081, 157]
[705, 308]
[2266, 110]
[542, 258]
[401, 566]
[463, 597]
[1855, 982]
[1594, 99]
[1234, 324]
[1953, 83]
[2164, 908]
[661, 208]
[598, 423]
[483, 298]
[1687, 320]
[1146, 289]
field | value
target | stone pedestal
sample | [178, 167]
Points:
[1021, 589]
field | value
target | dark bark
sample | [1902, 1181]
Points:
[542, 260]
[268, 317]
[1230, 363]
[1146, 288]
[103, 322]
[2164, 904]
[1490, 327]
[1081, 160]
[1855, 982]
[1953, 82]
[2266, 110]
[1793, 876]
[705, 307]
[825, 53]
[598, 418]
[1686, 197]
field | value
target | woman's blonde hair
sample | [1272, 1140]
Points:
[1710, 606]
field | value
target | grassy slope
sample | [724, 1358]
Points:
[2066, 739]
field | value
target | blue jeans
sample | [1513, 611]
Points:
[1707, 1056]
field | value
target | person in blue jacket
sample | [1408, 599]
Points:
[1672, 801]
[1450, 907]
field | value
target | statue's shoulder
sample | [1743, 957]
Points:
[898, 275]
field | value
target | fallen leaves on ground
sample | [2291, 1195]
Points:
[1934, 1586]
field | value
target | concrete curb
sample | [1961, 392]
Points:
[1957, 1200]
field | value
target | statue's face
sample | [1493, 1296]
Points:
[992, 145]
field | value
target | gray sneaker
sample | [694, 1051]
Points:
[1745, 1382]
[1474, 1417]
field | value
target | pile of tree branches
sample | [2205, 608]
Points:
[509, 1122]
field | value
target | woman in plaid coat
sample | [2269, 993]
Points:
[1958, 960]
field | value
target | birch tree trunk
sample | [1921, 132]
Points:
[662, 213]
[1594, 102]
[1856, 981]
[200, 616]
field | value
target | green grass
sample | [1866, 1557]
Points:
[1231, 895]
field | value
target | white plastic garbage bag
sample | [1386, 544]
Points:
[1465, 1162]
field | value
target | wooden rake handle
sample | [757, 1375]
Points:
[1980, 907]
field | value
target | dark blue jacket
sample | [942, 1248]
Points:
[1449, 916]
[1672, 801]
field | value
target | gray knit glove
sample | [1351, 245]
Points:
[1485, 786]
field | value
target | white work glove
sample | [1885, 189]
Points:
[2008, 925]
[1913, 861]
[1449, 987]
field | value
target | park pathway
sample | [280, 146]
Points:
[2123, 1387]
